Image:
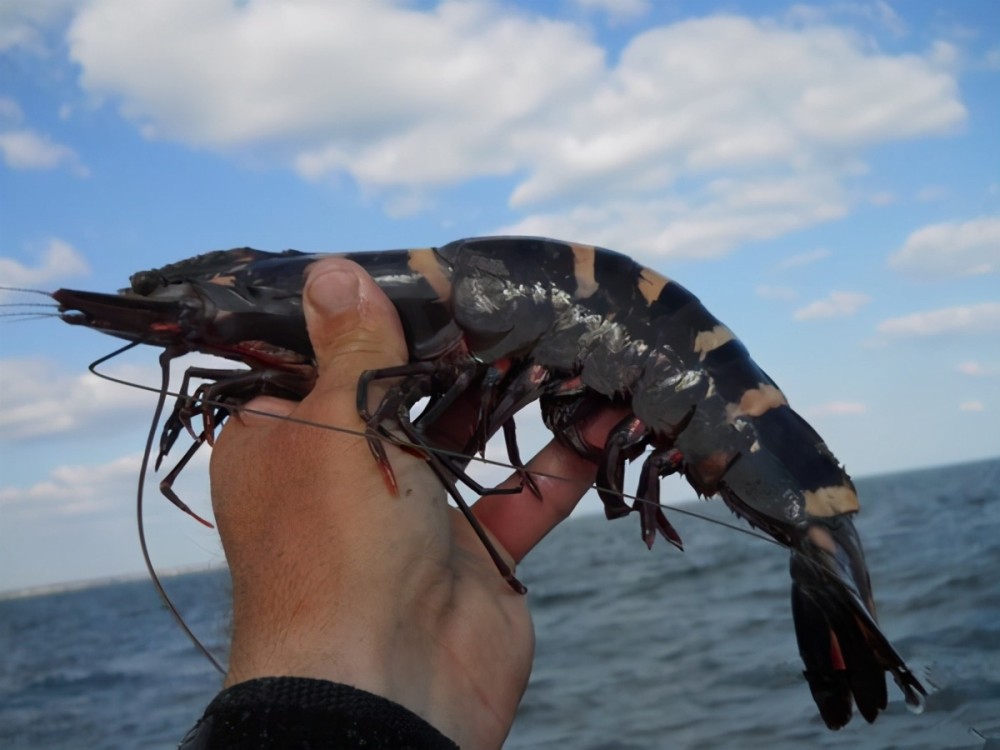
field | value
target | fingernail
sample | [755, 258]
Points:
[332, 292]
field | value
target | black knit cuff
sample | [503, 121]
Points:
[306, 714]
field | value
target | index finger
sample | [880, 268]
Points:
[522, 520]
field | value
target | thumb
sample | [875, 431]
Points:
[352, 325]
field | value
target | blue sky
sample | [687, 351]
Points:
[825, 177]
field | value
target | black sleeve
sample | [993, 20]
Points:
[306, 714]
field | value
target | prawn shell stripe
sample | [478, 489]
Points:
[583, 270]
[419, 283]
[427, 263]
[708, 341]
[831, 501]
[753, 405]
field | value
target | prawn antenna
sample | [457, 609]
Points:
[22, 313]
[163, 391]
[26, 290]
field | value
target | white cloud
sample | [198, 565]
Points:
[616, 10]
[802, 259]
[980, 318]
[991, 59]
[883, 13]
[884, 198]
[783, 293]
[451, 78]
[945, 54]
[59, 260]
[932, 193]
[975, 406]
[835, 408]
[23, 148]
[10, 110]
[728, 212]
[77, 489]
[951, 249]
[26, 149]
[84, 489]
[406, 203]
[40, 400]
[836, 305]
[977, 369]
[879, 13]
[24, 23]
[436, 96]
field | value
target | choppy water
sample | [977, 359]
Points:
[635, 649]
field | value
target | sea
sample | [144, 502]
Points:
[635, 648]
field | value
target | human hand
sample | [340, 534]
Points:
[337, 579]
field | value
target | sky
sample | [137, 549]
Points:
[825, 177]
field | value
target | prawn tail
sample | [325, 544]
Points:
[844, 652]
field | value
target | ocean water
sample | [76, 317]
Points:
[636, 649]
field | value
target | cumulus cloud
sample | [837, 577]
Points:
[991, 59]
[433, 96]
[24, 148]
[951, 249]
[453, 78]
[884, 198]
[616, 10]
[878, 13]
[932, 193]
[783, 293]
[23, 23]
[71, 490]
[10, 110]
[729, 212]
[836, 305]
[835, 408]
[40, 400]
[977, 369]
[59, 260]
[980, 318]
[76, 489]
[802, 259]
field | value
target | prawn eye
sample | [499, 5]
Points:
[146, 282]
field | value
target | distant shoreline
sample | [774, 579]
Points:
[68, 586]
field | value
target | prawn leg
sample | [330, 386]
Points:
[167, 483]
[660, 463]
[236, 386]
[393, 412]
[626, 441]
[394, 409]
